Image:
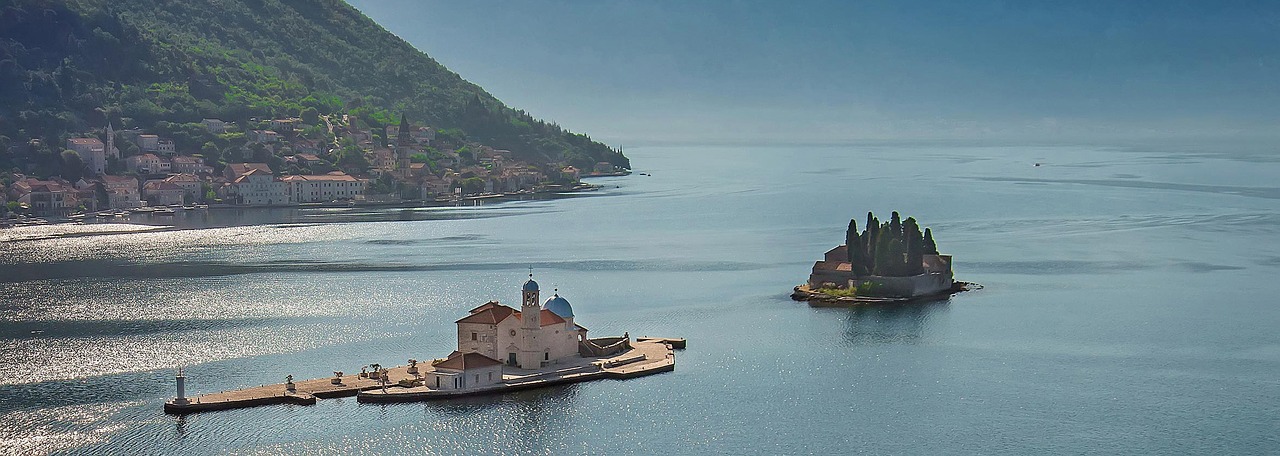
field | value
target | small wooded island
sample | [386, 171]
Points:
[886, 262]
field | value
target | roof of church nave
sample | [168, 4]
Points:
[492, 313]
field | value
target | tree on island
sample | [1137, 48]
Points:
[895, 248]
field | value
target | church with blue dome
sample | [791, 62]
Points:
[535, 336]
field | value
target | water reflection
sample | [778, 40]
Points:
[890, 323]
[529, 404]
[180, 427]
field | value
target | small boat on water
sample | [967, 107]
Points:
[165, 211]
[188, 208]
[142, 210]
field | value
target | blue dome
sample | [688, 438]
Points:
[531, 285]
[559, 306]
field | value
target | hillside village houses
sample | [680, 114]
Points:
[307, 169]
[215, 126]
[148, 164]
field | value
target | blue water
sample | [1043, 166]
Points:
[1126, 309]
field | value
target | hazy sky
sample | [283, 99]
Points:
[830, 71]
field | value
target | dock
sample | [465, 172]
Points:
[675, 342]
[647, 356]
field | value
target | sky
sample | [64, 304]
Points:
[636, 72]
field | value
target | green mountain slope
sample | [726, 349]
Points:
[70, 66]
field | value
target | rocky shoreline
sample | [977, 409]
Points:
[804, 293]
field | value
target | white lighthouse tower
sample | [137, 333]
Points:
[181, 379]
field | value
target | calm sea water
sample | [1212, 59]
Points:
[1128, 309]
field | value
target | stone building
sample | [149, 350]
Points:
[529, 338]
[835, 270]
[92, 152]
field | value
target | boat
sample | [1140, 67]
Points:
[142, 210]
[188, 208]
[165, 211]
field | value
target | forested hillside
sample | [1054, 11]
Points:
[72, 66]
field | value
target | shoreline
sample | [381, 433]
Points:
[148, 219]
[804, 293]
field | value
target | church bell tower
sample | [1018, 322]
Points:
[531, 352]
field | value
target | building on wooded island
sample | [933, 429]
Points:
[891, 259]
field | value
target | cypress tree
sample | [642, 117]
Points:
[882, 259]
[851, 241]
[895, 225]
[929, 245]
[915, 246]
[896, 262]
[872, 241]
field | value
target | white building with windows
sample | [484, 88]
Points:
[257, 188]
[323, 187]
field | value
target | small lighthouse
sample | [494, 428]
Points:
[181, 379]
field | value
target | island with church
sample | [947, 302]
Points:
[500, 349]
[887, 262]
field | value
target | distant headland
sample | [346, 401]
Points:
[887, 262]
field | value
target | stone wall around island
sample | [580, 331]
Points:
[936, 279]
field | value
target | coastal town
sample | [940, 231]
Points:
[319, 160]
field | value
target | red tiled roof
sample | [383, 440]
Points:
[484, 306]
[241, 168]
[463, 361]
[548, 318]
[489, 316]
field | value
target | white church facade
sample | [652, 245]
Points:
[530, 338]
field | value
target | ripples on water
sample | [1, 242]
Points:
[1122, 310]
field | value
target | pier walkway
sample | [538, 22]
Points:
[646, 357]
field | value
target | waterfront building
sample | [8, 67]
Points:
[162, 193]
[122, 191]
[45, 198]
[532, 337]
[256, 187]
[464, 370]
[189, 182]
[323, 187]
